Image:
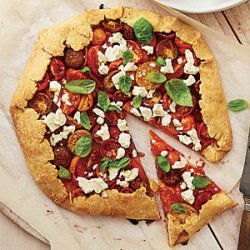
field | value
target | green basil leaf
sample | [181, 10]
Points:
[103, 100]
[127, 56]
[179, 92]
[163, 163]
[160, 61]
[83, 146]
[64, 173]
[125, 84]
[84, 86]
[121, 163]
[156, 77]
[85, 121]
[113, 107]
[200, 181]
[105, 163]
[237, 105]
[178, 207]
[86, 69]
[143, 30]
[136, 102]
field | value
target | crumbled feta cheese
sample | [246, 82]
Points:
[95, 166]
[188, 180]
[55, 120]
[164, 153]
[185, 139]
[77, 117]
[135, 112]
[55, 138]
[189, 67]
[148, 49]
[200, 163]
[130, 66]
[195, 139]
[146, 113]
[105, 46]
[95, 184]
[98, 112]
[122, 125]
[118, 104]
[55, 87]
[122, 183]
[100, 120]
[120, 153]
[152, 65]
[190, 80]
[153, 141]
[103, 132]
[179, 60]
[177, 124]
[168, 68]
[103, 69]
[172, 107]
[188, 196]
[183, 185]
[141, 91]
[124, 139]
[118, 38]
[150, 94]
[132, 77]
[113, 172]
[101, 57]
[65, 99]
[134, 153]
[158, 110]
[165, 121]
[130, 175]
[116, 78]
[191, 170]
[180, 164]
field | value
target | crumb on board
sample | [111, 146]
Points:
[80, 228]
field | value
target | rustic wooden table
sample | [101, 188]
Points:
[233, 23]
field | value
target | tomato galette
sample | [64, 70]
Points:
[83, 74]
[189, 198]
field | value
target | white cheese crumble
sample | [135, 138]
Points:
[189, 67]
[185, 139]
[150, 93]
[113, 172]
[130, 175]
[122, 183]
[95, 184]
[55, 120]
[77, 117]
[101, 57]
[183, 185]
[172, 107]
[55, 138]
[188, 180]
[100, 120]
[118, 104]
[177, 124]
[103, 132]
[122, 125]
[164, 153]
[98, 112]
[65, 99]
[141, 91]
[55, 87]
[134, 153]
[168, 68]
[146, 113]
[165, 121]
[116, 77]
[180, 164]
[148, 49]
[179, 60]
[190, 80]
[188, 196]
[124, 139]
[135, 112]
[120, 153]
[103, 69]
[158, 110]
[195, 139]
[130, 66]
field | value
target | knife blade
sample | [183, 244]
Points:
[244, 236]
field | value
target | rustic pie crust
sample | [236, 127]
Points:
[76, 33]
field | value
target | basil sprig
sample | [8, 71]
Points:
[156, 77]
[178, 207]
[237, 105]
[83, 146]
[143, 30]
[136, 102]
[179, 92]
[64, 173]
[113, 107]
[200, 181]
[103, 100]
[160, 61]
[119, 164]
[85, 121]
[84, 86]
[163, 163]
[86, 69]
[127, 56]
[125, 84]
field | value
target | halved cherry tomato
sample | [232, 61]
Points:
[74, 59]
[81, 168]
[203, 132]
[73, 164]
[74, 99]
[127, 107]
[128, 32]
[111, 117]
[86, 103]
[136, 51]
[115, 64]
[188, 123]
[166, 49]
[62, 156]
[181, 44]
[99, 36]
[182, 111]
[93, 59]
[173, 156]
[201, 199]
[165, 36]
[75, 137]
[150, 102]
[135, 163]
[112, 25]
[166, 101]
[57, 69]
[109, 148]
[120, 96]
[43, 83]
[178, 69]
[142, 72]
[73, 74]
[114, 132]
[108, 83]
[145, 57]
[41, 103]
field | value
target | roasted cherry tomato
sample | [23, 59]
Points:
[73, 99]
[57, 69]
[112, 25]
[81, 168]
[150, 102]
[73, 74]
[86, 102]
[111, 117]
[135, 163]
[93, 61]
[62, 156]
[188, 123]
[166, 49]
[173, 156]
[115, 64]
[203, 132]
[141, 75]
[114, 132]
[75, 137]
[181, 44]
[166, 101]
[136, 51]
[41, 85]
[41, 103]
[73, 164]
[120, 96]
[128, 32]
[165, 36]
[172, 178]
[201, 199]
[99, 36]
[108, 83]
[109, 148]
[74, 59]
[178, 68]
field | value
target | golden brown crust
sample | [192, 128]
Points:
[182, 226]
[76, 33]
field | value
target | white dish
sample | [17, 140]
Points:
[199, 6]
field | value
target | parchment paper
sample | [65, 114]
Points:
[19, 26]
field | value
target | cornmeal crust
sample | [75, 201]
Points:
[76, 33]
[182, 226]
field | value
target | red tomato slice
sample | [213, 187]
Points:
[114, 132]
[43, 83]
[93, 60]
[135, 163]
[57, 69]
[188, 123]
[99, 36]
[73, 164]
[85, 103]
[74, 99]
[73, 74]
[166, 49]
[111, 117]
[136, 51]
[115, 64]
[128, 32]
[41, 103]
[109, 148]
[201, 199]
[166, 101]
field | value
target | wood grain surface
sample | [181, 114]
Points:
[233, 23]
